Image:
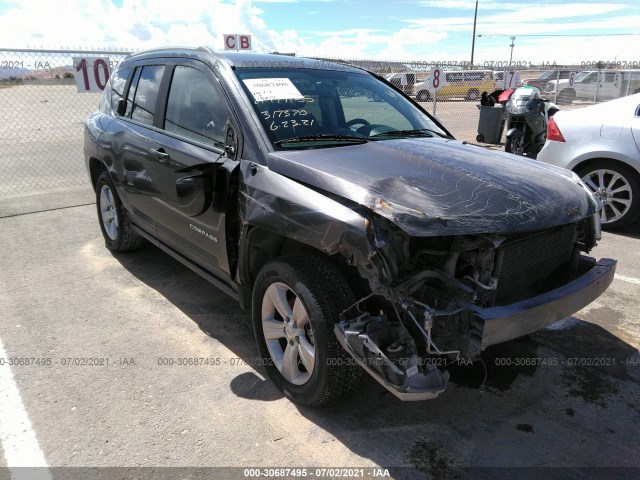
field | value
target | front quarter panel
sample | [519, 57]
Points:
[281, 205]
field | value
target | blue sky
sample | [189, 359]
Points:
[430, 30]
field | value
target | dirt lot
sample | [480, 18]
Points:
[567, 396]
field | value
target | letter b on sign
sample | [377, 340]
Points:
[245, 42]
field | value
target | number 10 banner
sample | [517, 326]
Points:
[92, 73]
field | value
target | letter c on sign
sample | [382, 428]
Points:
[230, 42]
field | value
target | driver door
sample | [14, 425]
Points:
[193, 169]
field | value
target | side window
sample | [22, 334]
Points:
[474, 76]
[118, 83]
[132, 92]
[609, 77]
[454, 77]
[144, 103]
[195, 109]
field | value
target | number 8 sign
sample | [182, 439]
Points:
[435, 81]
[92, 73]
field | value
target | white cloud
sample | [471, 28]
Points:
[140, 24]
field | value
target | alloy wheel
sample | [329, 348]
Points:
[288, 333]
[108, 212]
[613, 190]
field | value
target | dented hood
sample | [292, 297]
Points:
[434, 186]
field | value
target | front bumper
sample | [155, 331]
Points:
[500, 324]
[365, 338]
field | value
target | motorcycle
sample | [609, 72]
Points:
[527, 116]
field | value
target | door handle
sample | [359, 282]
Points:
[160, 154]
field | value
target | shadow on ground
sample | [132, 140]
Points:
[568, 396]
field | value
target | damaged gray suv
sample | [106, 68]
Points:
[361, 235]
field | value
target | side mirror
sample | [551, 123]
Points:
[194, 194]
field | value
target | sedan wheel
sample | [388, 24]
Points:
[618, 190]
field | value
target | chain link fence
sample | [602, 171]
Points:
[460, 85]
[42, 114]
[42, 118]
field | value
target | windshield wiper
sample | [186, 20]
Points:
[322, 137]
[420, 132]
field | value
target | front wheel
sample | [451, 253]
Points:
[618, 188]
[296, 302]
[515, 145]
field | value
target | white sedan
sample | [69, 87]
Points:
[601, 143]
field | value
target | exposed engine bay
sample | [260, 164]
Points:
[451, 293]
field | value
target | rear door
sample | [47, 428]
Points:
[134, 99]
[609, 86]
[586, 87]
[193, 172]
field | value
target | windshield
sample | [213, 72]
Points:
[580, 76]
[309, 108]
[548, 74]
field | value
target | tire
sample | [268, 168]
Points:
[566, 96]
[423, 96]
[472, 95]
[618, 187]
[512, 145]
[114, 222]
[319, 370]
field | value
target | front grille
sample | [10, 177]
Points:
[531, 265]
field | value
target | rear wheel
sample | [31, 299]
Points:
[472, 94]
[618, 188]
[296, 302]
[116, 228]
[423, 96]
[566, 96]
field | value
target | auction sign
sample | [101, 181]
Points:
[92, 73]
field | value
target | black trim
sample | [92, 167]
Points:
[188, 263]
